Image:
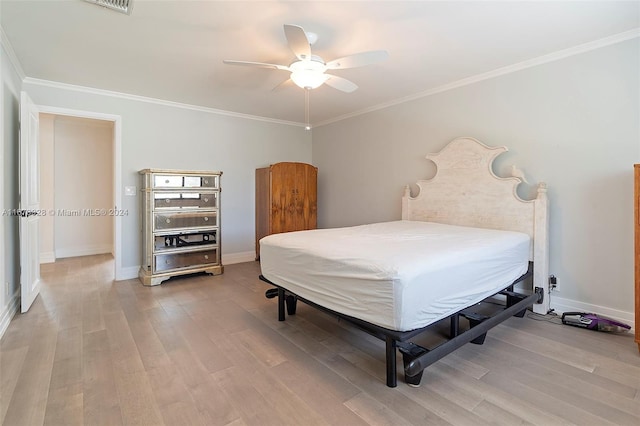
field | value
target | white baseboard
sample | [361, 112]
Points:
[84, 251]
[561, 305]
[231, 258]
[9, 311]
[47, 257]
[127, 273]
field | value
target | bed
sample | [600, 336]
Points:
[464, 238]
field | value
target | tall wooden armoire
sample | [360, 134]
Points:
[286, 199]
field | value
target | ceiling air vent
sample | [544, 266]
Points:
[123, 6]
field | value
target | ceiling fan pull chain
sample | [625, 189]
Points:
[306, 109]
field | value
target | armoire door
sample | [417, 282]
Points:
[308, 201]
[283, 197]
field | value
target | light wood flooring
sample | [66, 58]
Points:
[209, 351]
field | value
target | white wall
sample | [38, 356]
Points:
[158, 135]
[46, 140]
[83, 182]
[573, 123]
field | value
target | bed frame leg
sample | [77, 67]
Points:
[454, 328]
[292, 302]
[392, 375]
[411, 351]
[281, 299]
[512, 299]
[476, 319]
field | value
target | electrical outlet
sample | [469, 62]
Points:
[553, 283]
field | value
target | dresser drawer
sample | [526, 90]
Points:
[185, 181]
[192, 239]
[187, 219]
[169, 261]
[178, 200]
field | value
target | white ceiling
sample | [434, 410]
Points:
[173, 50]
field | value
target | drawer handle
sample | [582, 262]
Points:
[167, 181]
[206, 200]
[206, 256]
[206, 219]
[168, 220]
[206, 181]
[167, 201]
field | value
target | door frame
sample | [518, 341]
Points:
[119, 274]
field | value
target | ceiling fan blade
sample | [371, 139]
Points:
[358, 60]
[298, 41]
[256, 64]
[340, 83]
[285, 84]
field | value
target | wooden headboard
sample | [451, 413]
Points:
[465, 191]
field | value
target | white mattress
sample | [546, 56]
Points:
[399, 275]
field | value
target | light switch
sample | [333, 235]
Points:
[130, 191]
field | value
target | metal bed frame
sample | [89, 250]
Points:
[415, 357]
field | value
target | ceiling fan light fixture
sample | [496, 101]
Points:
[308, 79]
[308, 74]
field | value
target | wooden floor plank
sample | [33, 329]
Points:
[67, 363]
[65, 406]
[372, 412]
[246, 400]
[29, 398]
[213, 404]
[496, 415]
[11, 362]
[100, 401]
[318, 391]
[137, 401]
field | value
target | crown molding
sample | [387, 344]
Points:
[552, 57]
[137, 98]
[13, 59]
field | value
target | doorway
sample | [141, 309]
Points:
[75, 211]
[76, 187]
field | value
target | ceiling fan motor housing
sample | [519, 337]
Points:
[309, 74]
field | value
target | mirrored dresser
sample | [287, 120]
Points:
[180, 224]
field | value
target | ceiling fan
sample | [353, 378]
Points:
[308, 71]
